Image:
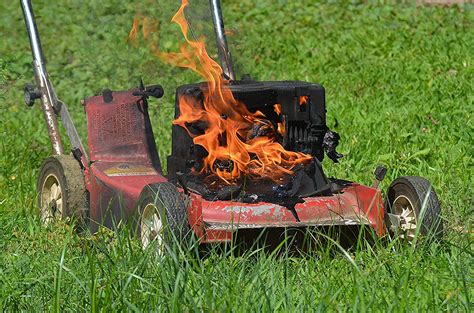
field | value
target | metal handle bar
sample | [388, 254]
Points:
[50, 104]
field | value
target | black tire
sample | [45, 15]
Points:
[65, 172]
[169, 204]
[419, 192]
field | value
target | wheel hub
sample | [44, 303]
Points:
[405, 210]
[151, 227]
[51, 200]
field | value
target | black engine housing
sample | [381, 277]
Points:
[305, 123]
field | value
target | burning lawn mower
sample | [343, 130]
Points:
[246, 156]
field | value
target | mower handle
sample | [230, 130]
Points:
[221, 41]
[51, 105]
[47, 95]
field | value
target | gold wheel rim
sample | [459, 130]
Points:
[51, 205]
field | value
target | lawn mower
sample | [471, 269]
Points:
[119, 177]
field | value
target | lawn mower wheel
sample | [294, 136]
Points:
[163, 216]
[61, 190]
[412, 202]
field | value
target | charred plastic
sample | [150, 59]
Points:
[306, 131]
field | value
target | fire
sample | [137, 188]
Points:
[239, 142]
[304, 100]
[277, 108]
[281, 125]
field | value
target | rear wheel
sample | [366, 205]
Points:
[61, 190]
[414, 205]
[163, 216]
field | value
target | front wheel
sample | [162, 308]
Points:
[413, 207]
[163, 216]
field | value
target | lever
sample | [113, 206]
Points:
[30, 94]
[379, 174]
[155, 91]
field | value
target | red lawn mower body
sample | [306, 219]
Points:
[123, 161]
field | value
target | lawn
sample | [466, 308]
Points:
[398, 82]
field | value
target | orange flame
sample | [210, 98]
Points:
[238, 142]
[277, 108]
[281, 125]
[304, 100]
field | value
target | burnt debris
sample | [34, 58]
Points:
[306, 180]
[330, 143]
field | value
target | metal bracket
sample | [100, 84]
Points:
[394, 221]
[71, 130]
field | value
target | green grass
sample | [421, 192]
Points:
[399, 91]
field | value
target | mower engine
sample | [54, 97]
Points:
[302, 111]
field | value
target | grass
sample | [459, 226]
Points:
[399, 91]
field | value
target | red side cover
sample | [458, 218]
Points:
[117, 130]
[123, 156]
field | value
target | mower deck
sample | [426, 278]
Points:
[216, 221]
